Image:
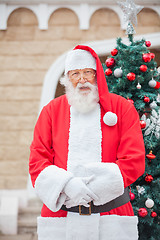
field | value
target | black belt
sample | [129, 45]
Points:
[117, 202]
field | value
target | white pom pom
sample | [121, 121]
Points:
[110, 119]
[149, 203]
[118, 72]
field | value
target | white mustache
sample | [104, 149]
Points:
[87, 84]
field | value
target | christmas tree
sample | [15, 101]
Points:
[131, 72]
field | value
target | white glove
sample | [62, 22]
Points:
[107, 183]
[78, 193]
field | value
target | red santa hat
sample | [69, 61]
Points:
[85, 57]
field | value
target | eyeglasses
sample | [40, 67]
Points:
[76, 75]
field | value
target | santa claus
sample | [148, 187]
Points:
[87, 149]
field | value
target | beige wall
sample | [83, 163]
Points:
[26, 53]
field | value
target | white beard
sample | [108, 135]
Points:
[82, 101]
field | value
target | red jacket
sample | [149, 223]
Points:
[121, 144]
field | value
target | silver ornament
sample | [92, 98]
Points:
[130, 10]
[130, 29]
[118, 72]
[138, 86]
[152, 83]
[149, 203]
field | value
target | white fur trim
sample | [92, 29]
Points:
[84, 140]
[110, 119]
[107, 183]
[49, 186]
[82, 227]
[118, 227]
[51, 228]
[84, 157]
[110, 227]
[79, 59]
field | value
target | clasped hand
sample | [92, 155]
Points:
[78, 193]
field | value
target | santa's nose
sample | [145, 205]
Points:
[82, 79]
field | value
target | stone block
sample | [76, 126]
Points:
[63, 17]
[46, 48]
[22, 17]
[105, 17]
[35, 48]
[10, 152]
[35, 62]
[144, 30]
[10, 182]
[17, 123]
[18, 237]
[59, 47]
[19, 107]
[16, 168]
[73, 33]
[8, 215]
[20, 194]
[22, 78]
[26, 63]
[16, 137]
[103, 32]
[16, 33]
[9, 48]
[20, 93]
[53, 33]
[26, 137]
[148, 18]
[35, 237]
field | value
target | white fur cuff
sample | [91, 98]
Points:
[49, 186]
[107, 183]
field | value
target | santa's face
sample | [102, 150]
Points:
[80, 77]
[81, 89]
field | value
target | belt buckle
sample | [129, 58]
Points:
[89, 210]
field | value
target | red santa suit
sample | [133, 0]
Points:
[68, 143]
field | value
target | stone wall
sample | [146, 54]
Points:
[26, 53]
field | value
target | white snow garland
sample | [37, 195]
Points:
[152, 124]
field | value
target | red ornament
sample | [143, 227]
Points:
[153, 214]
[114, 52]
[142, 212]
[108, 72]
[142, 124]
[131, 76]
[157, 85]
[132, 196]
[150, 156]
[130, 100]
[148, 43]
[149, 178]
[110, 62]
[146, 99]
[146, 57]
[143, 68]
[152, 55]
